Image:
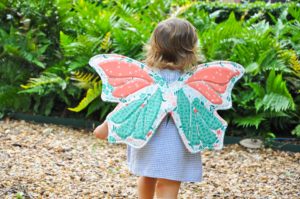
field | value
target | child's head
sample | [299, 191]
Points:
[173, 45]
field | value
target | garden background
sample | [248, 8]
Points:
[45, 47]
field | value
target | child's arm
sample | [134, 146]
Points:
[101, 131]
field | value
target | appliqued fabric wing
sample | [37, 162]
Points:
[137, 90]
[203, 92]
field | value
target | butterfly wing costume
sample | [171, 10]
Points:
[145, 98]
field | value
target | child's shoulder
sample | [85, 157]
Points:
[169, 70]
[169, 74]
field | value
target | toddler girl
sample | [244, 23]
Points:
[164, 162]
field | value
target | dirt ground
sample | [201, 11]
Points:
[49, 161]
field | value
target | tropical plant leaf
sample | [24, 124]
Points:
[249, 121]
[277, 102]
[37, 85]
[84, 80]
[106, 42]
[257, 89]
[91, 94]
[296, 131]
[278, 98]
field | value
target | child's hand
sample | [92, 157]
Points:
[101, 131]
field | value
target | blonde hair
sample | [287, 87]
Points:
[173, 45]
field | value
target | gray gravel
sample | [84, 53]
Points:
[49, 161]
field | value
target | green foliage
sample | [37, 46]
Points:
[248, 121]
[277, 97]
[85, 80]
[24, 46]
[20, 195]
[11, 76]
[296, 131]
[91, 94]
[218, 41]
[91, 83]
[27, 46]
[45, 47]
[43, 84]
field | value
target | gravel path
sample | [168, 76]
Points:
[49, 161]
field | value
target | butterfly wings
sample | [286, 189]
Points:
[135, 122]
[121, 76]
[145, 98]
[136, 88]
[215, 80]
[206, 90]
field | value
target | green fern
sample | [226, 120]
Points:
[106, 42]
[29, 46]
[248, 121]
[11, 100]
[38, 85]
[84, 80]
[296, 131]
[125, 10]
[91, 94]
[295, 63]
[65, 41]
[257, 89]
[218, 41]
[276, 102]
[276, 96]
[294, 10]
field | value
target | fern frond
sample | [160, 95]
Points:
[294, 10]
[64, 40]
[277, 102]
[269, 60]
[10, 99]
[81, 47]
[278, 97]
[125, 10]
[84, 80]
[218, 42]
[91, 94]
[296, 131]
[248, 121]
[276, 84]
[257, 89]
[106, 42]
[35, 85]
[295, 64]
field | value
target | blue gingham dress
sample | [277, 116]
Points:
[165, 155]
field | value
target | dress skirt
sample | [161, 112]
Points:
[165, 156]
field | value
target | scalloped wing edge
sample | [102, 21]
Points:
[107, 88]
[226, 97]
[135, 143]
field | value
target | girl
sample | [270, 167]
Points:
[164, 162]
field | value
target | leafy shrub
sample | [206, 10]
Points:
[50, 43]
